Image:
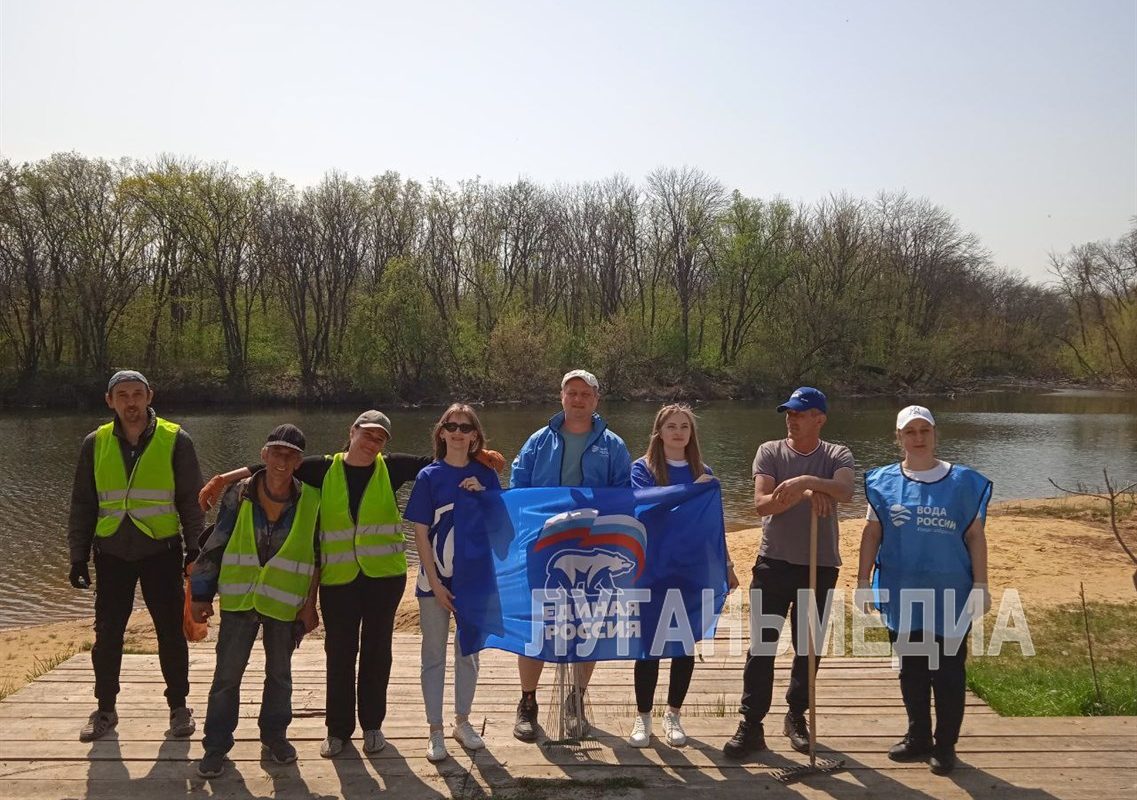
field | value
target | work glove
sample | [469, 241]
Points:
[190, 557]
[490, 458]
[211, 492]
[80, 577]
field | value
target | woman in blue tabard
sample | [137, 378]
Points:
[672, 457]
[924, 551]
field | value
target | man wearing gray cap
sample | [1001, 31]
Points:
[135, 490]
[574, 449]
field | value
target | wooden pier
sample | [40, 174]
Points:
[860, 716]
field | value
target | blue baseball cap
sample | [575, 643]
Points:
[805, 398]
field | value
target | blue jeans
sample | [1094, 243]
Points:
[234, 644]
[435, 622]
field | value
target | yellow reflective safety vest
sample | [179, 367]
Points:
[147, 494]
[374, 542]
[280, 587]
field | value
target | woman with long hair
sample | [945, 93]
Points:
[673, 456]
[457, 439]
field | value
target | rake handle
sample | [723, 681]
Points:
[811, 649]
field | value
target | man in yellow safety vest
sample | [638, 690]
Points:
[135, 490]
[261, 560]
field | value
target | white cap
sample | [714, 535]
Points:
[910, 413]
[584, 375]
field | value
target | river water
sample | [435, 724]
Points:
[1019, 440]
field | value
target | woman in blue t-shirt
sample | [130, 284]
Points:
[458, 439]
[672, 457]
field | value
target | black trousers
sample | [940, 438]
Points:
[773, 591]
[359, 620]
[918, 680]
[647, 676]
[164, 593]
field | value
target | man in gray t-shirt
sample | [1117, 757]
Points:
[793, 478]
[782, 533]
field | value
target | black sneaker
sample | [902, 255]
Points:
[576, 723]
[212, 764]
[525, 728]
[98, 724]
[943, 759]
[910, 748]
[749, 738]
[798, 730]
[280, 750]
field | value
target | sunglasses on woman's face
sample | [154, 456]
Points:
[465, 427]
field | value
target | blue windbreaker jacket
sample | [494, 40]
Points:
[605, 461]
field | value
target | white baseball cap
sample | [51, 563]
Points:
[910, 413]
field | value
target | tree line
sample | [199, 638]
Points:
[390, 288]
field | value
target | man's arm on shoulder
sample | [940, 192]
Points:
[404, 468]
[84, 504]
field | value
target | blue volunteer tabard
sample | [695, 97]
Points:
[582, 574]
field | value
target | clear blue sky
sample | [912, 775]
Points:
[1018, 117]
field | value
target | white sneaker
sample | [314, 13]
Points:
[373, 741]
[641, 731]
[331, 747]
[466, 735]
[673, 729]
[436, 747]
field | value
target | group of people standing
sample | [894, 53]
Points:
[295, 532]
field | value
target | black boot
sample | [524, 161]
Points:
[749, 738]
[910, 748]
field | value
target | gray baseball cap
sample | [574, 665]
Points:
[124, 375]
[373, 419]
[584, 375]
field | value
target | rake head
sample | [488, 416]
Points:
[818, 767]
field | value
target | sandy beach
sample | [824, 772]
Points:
[1041, 548]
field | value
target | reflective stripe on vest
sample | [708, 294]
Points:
[374, 542]
[280, 587]
[147, 494]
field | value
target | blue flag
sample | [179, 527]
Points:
[583, 574]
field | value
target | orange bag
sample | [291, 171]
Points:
[194, 631]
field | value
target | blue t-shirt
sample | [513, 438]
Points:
[432, 504]
[677, 472]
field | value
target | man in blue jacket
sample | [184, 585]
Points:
[574, 449]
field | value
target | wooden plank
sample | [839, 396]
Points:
[865, 749]
[861, 716]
